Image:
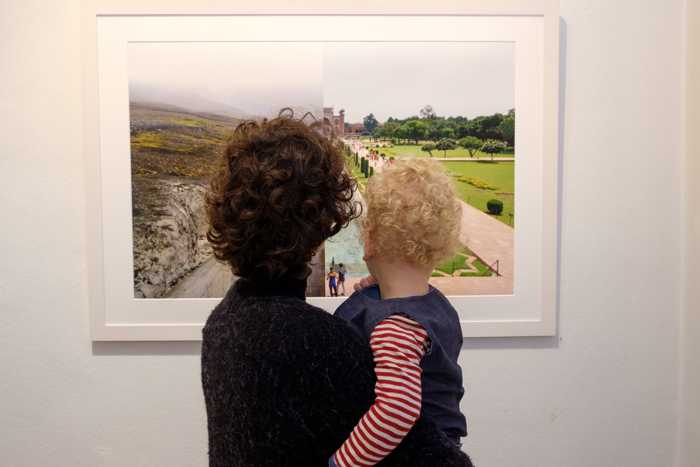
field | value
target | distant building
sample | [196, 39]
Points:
[337, 121]
[354, 129]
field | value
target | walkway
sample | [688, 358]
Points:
[211, 279]
[474, 159]
[490, 239]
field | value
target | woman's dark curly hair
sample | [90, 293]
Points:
[281, 190]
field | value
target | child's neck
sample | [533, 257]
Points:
[399, 280]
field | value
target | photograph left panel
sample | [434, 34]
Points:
[185, 99]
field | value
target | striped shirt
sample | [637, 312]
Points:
[398, 344]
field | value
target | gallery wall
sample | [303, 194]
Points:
[604, 392]
[690, 372]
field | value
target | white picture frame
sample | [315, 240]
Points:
[107, 26]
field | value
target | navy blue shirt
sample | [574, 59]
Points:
[442, 376]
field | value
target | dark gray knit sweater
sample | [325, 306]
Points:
[285, 383]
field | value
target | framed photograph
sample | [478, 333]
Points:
[472, 85]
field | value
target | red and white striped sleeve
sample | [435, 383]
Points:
[398, 344]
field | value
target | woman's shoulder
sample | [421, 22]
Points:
[287, 337]
[252, 318]
[303, 319]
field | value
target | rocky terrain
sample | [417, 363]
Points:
[173, 153]
[169, 234]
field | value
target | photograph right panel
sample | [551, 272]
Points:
[451, 102]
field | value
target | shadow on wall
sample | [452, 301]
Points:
[147, 348]
[551, 341]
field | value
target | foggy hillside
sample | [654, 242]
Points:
[195, 103]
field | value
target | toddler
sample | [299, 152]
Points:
[413, 222]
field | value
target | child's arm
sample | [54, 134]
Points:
[398, 344]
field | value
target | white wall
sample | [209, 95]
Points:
[690, 373]
[604, 393]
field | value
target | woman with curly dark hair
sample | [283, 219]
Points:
[285, 382]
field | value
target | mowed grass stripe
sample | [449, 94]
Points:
[498, 174]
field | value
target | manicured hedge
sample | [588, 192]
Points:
[495, 206]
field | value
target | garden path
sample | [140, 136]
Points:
[489, 238]
[211, 279]
[474, 159]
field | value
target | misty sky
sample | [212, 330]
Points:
[397, 79]
[387, 79]
[227, 77]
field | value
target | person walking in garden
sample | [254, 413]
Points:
[341, 278]
[333, 282]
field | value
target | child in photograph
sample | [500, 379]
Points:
[413, 223]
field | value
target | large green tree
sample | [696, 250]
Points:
[447, 132]
[416, 130]
[445, 145]
[486, 127]
[507, 129]
[471, 143]
[434, 130]
[370, 122]
[429, 148]
[402, 132]
[389, 129]
[493, 146]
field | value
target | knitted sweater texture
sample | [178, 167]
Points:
[285, 383]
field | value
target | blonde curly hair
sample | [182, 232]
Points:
[413, 212]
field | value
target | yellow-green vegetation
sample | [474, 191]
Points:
[147, 140]
[460, 264]
[193, 122]
[176, 140]
[494, 174]
[174, 143]
[477, 182]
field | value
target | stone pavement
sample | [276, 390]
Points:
[491, 240]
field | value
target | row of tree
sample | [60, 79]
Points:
[471, 143]
[429, 126]
[366, 169]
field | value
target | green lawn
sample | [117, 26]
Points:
[458, 262]
[175, 143]
[411, 150]
[499, 175]
[454, 263]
